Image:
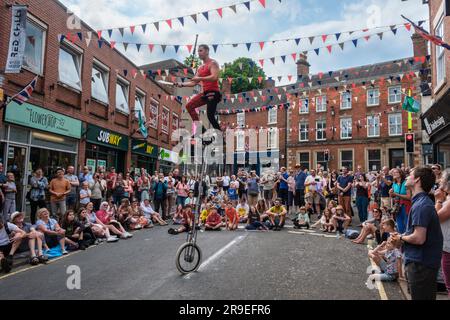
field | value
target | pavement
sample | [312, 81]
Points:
[241, 265]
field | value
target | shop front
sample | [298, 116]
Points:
[168, 160]
[436, 122]
[143, 155]
[105, 148]
[33, 138]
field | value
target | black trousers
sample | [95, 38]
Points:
[212, 99]
[283, 195]
[160, 203]
[299, 199]
[422, 281]
[34, 206]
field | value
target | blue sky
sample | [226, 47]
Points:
[289, 19]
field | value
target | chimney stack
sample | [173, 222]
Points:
[303, 65]
[420, 45]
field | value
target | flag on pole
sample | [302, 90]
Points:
[24, 95]
[142, 126]
[424, 34]
[411, 105]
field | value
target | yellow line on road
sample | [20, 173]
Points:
[38, 266]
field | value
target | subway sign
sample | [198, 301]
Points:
[144, 148]
[107, 138]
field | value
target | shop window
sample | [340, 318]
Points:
[347, 159]
[154, 111]
[139, 106]
[304, 160]
[374, 157]
[321, 160]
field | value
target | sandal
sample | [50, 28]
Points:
[34, 261]
[43, 259]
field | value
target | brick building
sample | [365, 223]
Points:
[85, 108]
[264, 116]
[354, 116]
[436, 120]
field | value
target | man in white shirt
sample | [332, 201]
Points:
[226, 183]
[313, 184]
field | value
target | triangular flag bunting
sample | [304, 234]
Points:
[408, 26]
[338, 35]
[261, 45]
[110, 31]
[215, 46]
[273, 60]
[189, 47]
[177, 47]
[113, 44]
[329, 48]
[283, 58]
[297, 41]
[324, 38]
[261, 62]
[181, 19]
[294, 56]
[156, 24]
[317, 51]
[247, 4]
[311, 39]
[233, 7]
[206, 15]
[138, 47]
[194, 17]
[248, 46]
[132, 28]
[125, 46]
[169, 23]
[355, 42]
[151, 47]
[121, 30]
[220, 12]
[144, 28]
[342, 44]
[263, 3]
[163, 47]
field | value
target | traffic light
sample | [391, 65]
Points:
[410, 142]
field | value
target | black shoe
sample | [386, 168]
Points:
[5, 265]
[82, 247]
[10, 260]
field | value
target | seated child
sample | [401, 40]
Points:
[231, 217]
[303, 219]
[214, 221]
[388, 258]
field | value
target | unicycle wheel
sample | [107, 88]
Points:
[188, 258]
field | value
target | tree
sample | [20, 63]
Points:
[188, 61]
[240, 70]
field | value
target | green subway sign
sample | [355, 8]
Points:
[29, 115]
[106, 138]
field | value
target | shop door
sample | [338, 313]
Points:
[17, 159]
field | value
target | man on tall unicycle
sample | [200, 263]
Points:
[208, 76]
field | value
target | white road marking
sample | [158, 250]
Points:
[217, 255]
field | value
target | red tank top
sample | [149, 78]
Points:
[204, 71]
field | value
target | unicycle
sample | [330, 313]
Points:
[189, 255]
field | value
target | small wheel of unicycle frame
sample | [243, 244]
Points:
[188, 259]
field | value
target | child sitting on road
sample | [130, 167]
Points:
[303, 219]
[387, 257]
[231, 217]
[214, 221]
[186, 223]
